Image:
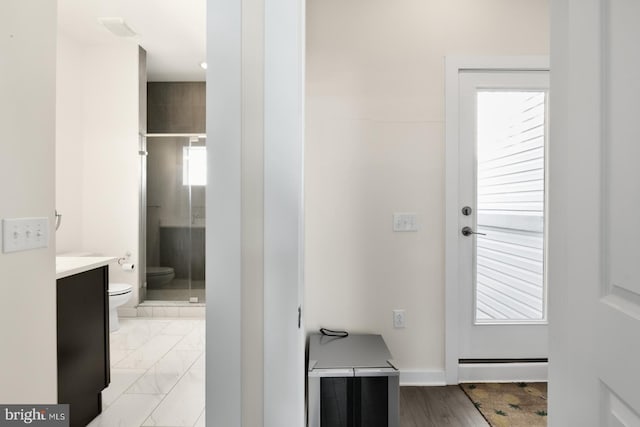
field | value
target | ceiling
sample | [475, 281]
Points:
[173, 32]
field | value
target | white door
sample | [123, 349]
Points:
[284, 336]
[594, 189]
[502, 198]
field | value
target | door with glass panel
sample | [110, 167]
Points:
[175, 185]
[502, 214]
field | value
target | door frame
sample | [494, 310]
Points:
[255, 92]
[284, 95]
[453, 66]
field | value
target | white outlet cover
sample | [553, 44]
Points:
[399, 319]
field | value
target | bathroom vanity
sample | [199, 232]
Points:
[83, 335]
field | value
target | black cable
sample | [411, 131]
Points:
[331, 333]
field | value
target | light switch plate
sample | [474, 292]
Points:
[405, 221]
[23, 234]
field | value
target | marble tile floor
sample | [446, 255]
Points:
[157, 374]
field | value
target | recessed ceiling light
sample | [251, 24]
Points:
[117, 26]
[203, 65]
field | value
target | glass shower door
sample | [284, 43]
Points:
[195, 178]
[175, 218]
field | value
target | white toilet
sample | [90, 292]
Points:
[158, 277]
[119, 294]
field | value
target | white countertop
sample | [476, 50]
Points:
[69, 265]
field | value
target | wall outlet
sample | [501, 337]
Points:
[399, 319]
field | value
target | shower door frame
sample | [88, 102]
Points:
[143, 152]
[142, 225]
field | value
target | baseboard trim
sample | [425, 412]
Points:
[127, 312]
[172, 311]
[410, 377]
[502, 372]
[480, 361]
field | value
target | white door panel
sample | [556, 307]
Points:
[502, 178]
[622, 151]
[284, 336]
[595, 200]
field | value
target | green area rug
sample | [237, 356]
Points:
[510, 404]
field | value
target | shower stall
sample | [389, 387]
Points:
[172, 205]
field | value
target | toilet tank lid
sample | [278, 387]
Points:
[119, 288]
[158, 271]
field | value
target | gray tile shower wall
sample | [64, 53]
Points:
[176, 107]
[183, 248]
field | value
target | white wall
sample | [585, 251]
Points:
[98, 160]
[111, 162]
[375, 146]
[69, 143]
[27, 119]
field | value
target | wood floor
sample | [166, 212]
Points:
[438, 407]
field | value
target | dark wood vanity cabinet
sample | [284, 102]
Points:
[83, 342]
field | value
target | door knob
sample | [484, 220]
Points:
[467, 231]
